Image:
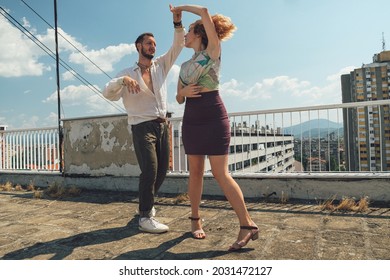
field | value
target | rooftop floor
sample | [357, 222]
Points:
[103, 225]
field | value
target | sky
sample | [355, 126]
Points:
[284, 54]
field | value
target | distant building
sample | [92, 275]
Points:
[251, 149]
[317, 164]
[368, 145]
[262, 153]
[327, 149]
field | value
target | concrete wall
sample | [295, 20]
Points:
[288, 186]
[99, 155]
[99, 146]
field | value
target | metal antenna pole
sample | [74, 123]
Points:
[58, 88]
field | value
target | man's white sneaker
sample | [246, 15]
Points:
[151, 225]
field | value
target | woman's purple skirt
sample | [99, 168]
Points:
[206, 127]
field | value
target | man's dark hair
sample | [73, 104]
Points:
[141, 37]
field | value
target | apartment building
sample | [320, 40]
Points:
[368, 128]
[251, 150]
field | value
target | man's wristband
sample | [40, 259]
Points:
[177, 24]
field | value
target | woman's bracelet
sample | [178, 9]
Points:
[177, 24]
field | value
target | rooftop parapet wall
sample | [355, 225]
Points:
[317, 187]
[99, 146]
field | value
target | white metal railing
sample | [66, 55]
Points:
[29, 149]
[348, 137]
[327, 138]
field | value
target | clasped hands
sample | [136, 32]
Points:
[176, 13]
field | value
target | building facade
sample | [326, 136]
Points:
[368, 128]
[251, 150]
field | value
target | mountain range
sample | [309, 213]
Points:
[315, 128]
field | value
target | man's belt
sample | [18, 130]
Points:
[160, 120]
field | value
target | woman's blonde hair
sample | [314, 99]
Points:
[223, 26]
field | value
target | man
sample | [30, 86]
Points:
[144, 93]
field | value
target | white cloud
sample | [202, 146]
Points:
[231, 88]
[104, 58]
[71, 95]
[173, 75]
[345, 70]
[282, 92]
[51, 119]
[18, 55]
[26, 23]
[98, 105]
[270, 93]
[68, 75]
[29, 121]
[65, 41]
[90, 101]
[269, 88]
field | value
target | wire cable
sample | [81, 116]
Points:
[47, 50]
[35, 12]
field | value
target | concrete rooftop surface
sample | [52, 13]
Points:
[104, 226]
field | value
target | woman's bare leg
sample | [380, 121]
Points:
[195, 190]
[232, 191]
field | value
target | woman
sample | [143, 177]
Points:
[206, 128]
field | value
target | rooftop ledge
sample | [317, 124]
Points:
[311, 175]
[240, 174]
[306, 186]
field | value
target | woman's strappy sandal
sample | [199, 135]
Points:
[253, 234]
[197, 234]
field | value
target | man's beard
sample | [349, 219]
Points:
[149, 56]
